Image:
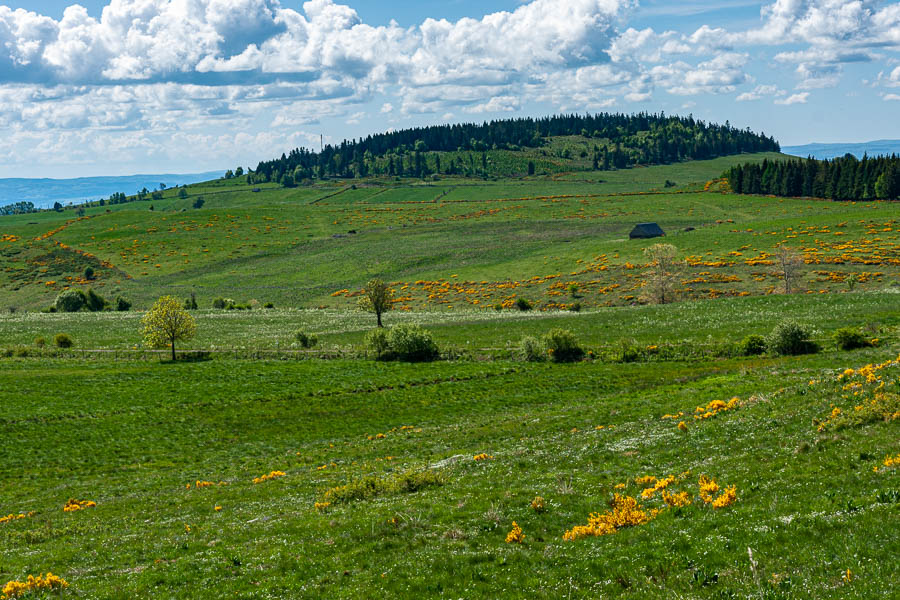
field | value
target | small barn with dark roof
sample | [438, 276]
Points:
[643, 231]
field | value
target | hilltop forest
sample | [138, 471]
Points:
[620, 141]
[846, 178]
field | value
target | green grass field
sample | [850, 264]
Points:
[373, 485]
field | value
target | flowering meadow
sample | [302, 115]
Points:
[665, 461]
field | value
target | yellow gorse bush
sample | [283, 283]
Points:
[269, 476]
[538, 504]
[482, 456]
[625, 512]
[515, 536]
[15, 589]
[15, 517]
[73, 505]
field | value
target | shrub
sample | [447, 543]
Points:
[371, 486]
[532, 349]
[70, 301]
[40, 342]
[752, 345]
[89, 273]
[268, 305]
[411, 343]
[122, 305]
[377, 341]
[94, 301]
[562, 346]
[791, 338]
[307, 340]
[575, 307]
[20, 352]
[848, 338]
[523, 304]
[61, 340]
[219, 303]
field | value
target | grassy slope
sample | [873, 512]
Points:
[130, 435]
[809, 505]
[280, 245]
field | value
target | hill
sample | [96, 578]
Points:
[608, 141]
[686, 455]
[44, 192]
[829, 151]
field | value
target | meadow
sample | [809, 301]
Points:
[265, 470]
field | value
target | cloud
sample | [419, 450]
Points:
[794, 99]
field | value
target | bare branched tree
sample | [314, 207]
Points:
[663, 273]
[789, 264]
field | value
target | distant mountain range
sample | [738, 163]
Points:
[823, 151]
[44, 192]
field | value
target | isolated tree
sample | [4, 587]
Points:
[377, 298]
[663, 273]
[789, 264]
[166, 323]
[70, 301]
[199, 202]
[182, 193]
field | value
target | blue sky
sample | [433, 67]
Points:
[112, 87]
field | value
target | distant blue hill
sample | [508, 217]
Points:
[823, 151]
[44, 192]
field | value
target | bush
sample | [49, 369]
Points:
[40, 342]
[219, 303]
[268, 305]
[411, 343]
[89, 273]
[377, 341]
[70, 301]
[562, 346]
[122, 305]
[20, 352]
[575, 307]
[94, 301]
[752, 345]
[371, 486]
[408, 343]
[848, 338]
[791, 338]
[61, 340]
[532, 349]
[523, 304]
[307, 340]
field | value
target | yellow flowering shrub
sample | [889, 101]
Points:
[483, 456]
[322, 506]
[49, 582]
[871, 392]
[889, 463]
[625, 512]
[15, 517]
[538, 504]
[73, 505]
[682, 426]
[515, 536]
[708, 488]
[268, 477]
[715, 407]
[726, 498]
[676, 499]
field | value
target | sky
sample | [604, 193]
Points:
[114, 87]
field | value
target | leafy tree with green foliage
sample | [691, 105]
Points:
[166, 323]
[377, 298]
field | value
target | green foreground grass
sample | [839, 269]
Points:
[132, 435]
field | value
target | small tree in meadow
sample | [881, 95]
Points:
[377, 298]
[167, 322]
[789, 264]
[662, 274]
